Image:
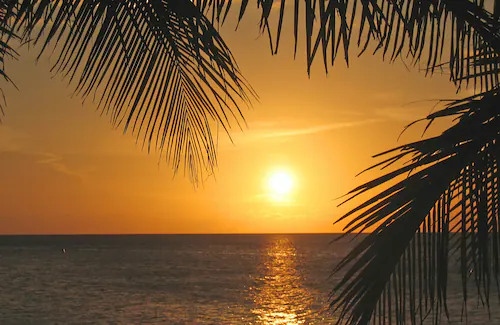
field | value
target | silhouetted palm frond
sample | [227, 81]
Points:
[436, 33]
[448, 206]
[441, 205]
[6, 51]
[159, 67]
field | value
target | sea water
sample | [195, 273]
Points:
[175, 279]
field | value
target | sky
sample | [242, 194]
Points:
[65, 170]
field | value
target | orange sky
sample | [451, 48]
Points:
[63, 169]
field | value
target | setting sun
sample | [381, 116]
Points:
[280, 183]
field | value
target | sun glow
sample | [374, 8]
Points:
[280, 183]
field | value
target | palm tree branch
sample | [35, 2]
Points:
[141, 58]
[403, 263]
[427, 29]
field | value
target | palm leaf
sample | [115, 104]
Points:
[117, 50]
[438, 34]
[6, 51]
[158, 67]
[446, 208]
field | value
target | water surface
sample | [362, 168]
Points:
[173, 279]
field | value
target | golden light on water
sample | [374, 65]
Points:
[279, 295]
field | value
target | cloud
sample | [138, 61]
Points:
[404, 114]
[265, 131]
[316, 129]
[57, 163]
[11, 139]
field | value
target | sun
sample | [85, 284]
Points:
[280, 183]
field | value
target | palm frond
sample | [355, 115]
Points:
[437, 34]
[118, 49]
[6, 51]
[159, 67]
[444, 205]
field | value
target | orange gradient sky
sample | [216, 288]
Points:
[64, 169]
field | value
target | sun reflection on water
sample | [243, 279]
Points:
[279, 296]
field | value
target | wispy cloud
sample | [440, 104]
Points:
[314, 129]
[11, 139]
[406, 113]
[57, 163]
[275, 130]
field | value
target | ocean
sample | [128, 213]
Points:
[174, 279]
